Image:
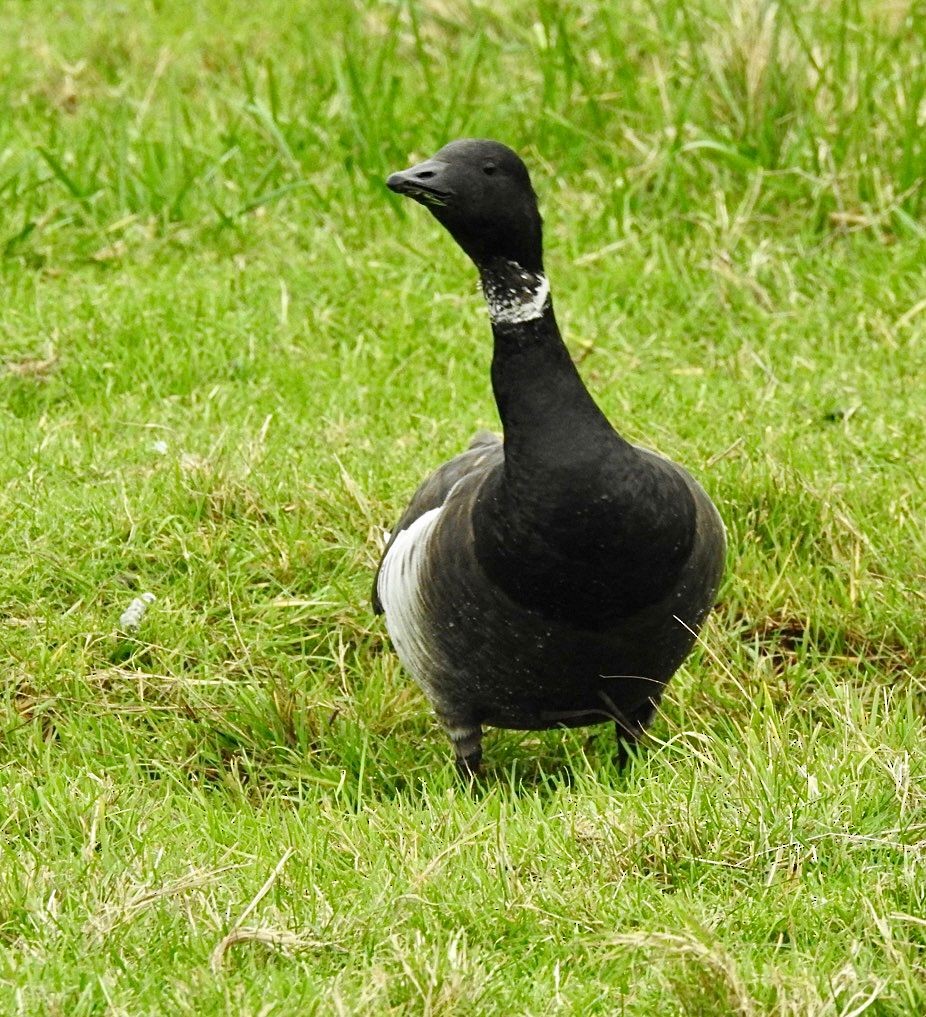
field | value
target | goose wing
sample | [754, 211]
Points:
[484, 451]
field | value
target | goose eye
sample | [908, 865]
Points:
[488, 169]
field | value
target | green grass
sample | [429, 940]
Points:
[227, 355]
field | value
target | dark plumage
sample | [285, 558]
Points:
[558, 577]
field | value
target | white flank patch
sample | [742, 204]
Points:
[399, 589]
[512, 305]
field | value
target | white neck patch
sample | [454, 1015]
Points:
[515, 295]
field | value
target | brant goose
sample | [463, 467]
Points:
[558, 576]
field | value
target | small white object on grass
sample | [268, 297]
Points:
[160, 446]
[131, 617]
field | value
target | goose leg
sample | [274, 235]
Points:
[629, 735]
[625, 747]
[466, 739]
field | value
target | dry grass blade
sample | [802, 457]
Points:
[143, 899]
[278, 939]
[32, 367]
[237, 932]
[711, 957]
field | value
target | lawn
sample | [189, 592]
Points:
[228, 354]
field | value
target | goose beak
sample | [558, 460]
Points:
[423, 183]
